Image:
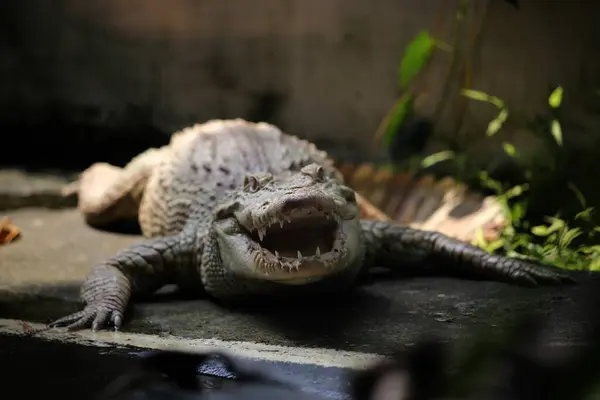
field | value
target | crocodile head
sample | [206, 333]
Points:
[292, 229]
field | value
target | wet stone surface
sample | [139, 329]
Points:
[41, 273]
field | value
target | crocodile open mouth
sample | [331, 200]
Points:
[302, 237]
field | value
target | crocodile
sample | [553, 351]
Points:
[232, 210]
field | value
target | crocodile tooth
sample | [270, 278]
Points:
[276, 254]
[281, 223]
[299, 255]
[288, 219]
[261, 233]
[318, 252]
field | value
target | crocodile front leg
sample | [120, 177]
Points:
[394, 246]
[140, 270]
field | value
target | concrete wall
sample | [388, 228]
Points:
[322, 69]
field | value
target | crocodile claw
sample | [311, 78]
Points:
[529, 274]
[95, 316]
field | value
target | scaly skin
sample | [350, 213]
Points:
[232, 208]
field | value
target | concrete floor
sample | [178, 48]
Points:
[41, 273]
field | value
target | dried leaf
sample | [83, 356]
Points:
[8, 231]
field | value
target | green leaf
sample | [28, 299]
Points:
[543, 230]
[540, 230]
[416, 55]
[518, 212]
[585, 214]
[495, 245]
[516, 191]
[398, 114]
[509, 149]
[479, 239]
[556, 224]
[556, 97]
[490, 183]
[591, 249]
[495, 125]
[578, 193]
[514, 254]
[436, 158]
[520, 240]
[482, 96]
[556, 132]
[595, 264]
[475, 95]
[567, 237]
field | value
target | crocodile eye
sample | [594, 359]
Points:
[251, 184]
[320, 174]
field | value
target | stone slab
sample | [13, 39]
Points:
[41, 273]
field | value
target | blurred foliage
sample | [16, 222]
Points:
[416, 56]
[564, 240]
[569, 245]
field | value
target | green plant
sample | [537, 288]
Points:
[414, 59]
[557, 242]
